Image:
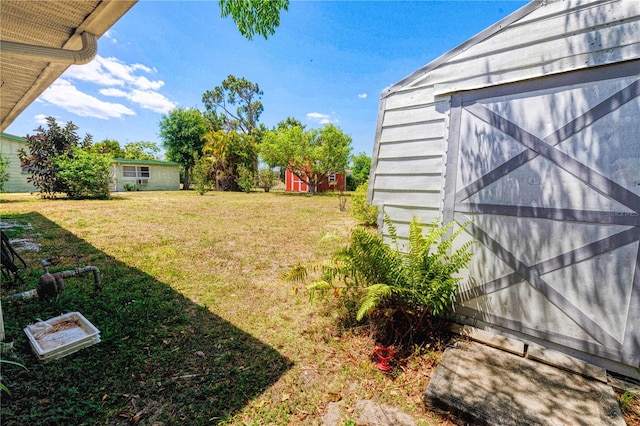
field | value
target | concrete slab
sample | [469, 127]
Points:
[493, 387]
[505, 343]
[566, 362]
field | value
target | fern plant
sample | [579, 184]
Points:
[417, 281]
[423, 279]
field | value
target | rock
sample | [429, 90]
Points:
[333, 416]
[374, 414]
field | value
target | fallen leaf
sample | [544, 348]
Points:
[285, 396]
[200, 353]
[125, 338]
[136, 418]
[334, 396]
[105, 396]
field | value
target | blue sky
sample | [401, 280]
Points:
[328, 62]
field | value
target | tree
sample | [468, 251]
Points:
[182, 131]
[254, 16]
[4, 176]
[226, 154]
[108, 147]
[360, 168]
[142, 150]
[289, 122]
[310, 155]
[237, 93]
[44, 147]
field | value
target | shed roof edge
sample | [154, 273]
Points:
[482, 35]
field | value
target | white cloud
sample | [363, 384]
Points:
[93, 72]
[145, 98]
[41, 119]
[65, 95]
[320, 118]
[362, 95]
[110, 36]
[118, 79]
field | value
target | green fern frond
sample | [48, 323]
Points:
[321, 287]
[374, 295]
[298, 273]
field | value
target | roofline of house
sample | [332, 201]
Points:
[157, 162]
[13, 137]
[483, 35]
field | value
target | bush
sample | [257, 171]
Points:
[84, 174]
[404, 294]
[44, 149]
[267, 178]
[4, 176]
[201, 176]
[245, 179]
[365, 213]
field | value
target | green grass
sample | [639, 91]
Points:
[196, 326]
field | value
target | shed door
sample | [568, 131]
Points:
[548, 174]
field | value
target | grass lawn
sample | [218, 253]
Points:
[196, 326]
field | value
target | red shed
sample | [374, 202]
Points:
[335, 182]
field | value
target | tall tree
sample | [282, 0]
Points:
[182, 131]
[227, 154]
[310, 155]
[254, 16]
[235, 105]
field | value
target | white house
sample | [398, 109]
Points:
[530, 131]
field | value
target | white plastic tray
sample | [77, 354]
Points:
[60, 336]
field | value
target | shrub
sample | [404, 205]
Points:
[84, 174]
[267, 178]
[365, 213]
[4, 176]
[245, 179]
[201, 176]
[44, 148]
[404, 293]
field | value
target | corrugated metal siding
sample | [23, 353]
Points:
[410, 152]
[410, 146]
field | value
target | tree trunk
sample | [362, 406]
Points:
[186, 184]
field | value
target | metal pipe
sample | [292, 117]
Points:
[94, 269]
[52, 54]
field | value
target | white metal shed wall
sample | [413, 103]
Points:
[540, 39]
[549, 70]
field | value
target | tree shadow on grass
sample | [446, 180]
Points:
[161, 357]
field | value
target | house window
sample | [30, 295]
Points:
[136, 172]
[332, 178]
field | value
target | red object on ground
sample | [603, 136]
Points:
[385, 355]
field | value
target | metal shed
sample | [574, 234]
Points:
[530, 131]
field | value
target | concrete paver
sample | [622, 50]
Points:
[494, 387]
